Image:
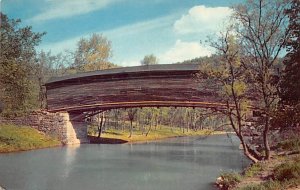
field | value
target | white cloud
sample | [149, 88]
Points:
[68, 8]
[184, 51]
[58, 47]
[140, 27]
[201, 18]
[120, 32]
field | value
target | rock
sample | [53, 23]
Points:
[219, 182]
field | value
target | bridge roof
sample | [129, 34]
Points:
[128, 70]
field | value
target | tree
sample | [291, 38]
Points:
[116, 113]
[131, 115]
[17, 55]
[93, 54]
[288, 115]
[290, 84]
[149, 60]
[261, 27]
[100, 124]
[229, 79]
[43, 72]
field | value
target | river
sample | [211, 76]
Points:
[185, 163]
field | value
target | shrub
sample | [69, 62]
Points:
[292, 144]
[287, 171]
[230, 179]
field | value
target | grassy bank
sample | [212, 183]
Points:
[161, 132]
[281, 172]
[16, 138]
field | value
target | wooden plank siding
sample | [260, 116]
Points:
[137, 87]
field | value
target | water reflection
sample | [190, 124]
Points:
[173, 164]
[70, 156]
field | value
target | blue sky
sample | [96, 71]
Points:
[170, 29]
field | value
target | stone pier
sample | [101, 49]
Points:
[75, 129]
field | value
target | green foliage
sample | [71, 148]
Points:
[254, 169]
[16, 65]
[18, 138]
[287, 171]
[290, 83]
[93, 54]
[230, 179]
[289, 92]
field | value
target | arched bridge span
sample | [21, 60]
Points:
[140, 86]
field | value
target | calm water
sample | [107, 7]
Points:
[190, 163]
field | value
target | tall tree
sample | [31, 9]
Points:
[288, 114]
[17, 53]
[262, 31]
[149, 60]
[290, 85]
[229, 77]
[93, 54]
[43, 72]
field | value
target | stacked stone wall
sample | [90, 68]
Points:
[54, 124]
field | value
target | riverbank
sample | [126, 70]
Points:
[20, 138]
[113, 136]
[282, 171]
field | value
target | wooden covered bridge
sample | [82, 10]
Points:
[140, 86]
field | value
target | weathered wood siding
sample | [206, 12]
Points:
[160, 88]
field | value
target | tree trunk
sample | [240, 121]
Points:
[100, 122]
[123, 125]
[265, 138]
[130, 133]
[116, 124]
[238, 132]
[246, 151]
[149, 129]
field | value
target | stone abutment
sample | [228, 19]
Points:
[59, 125]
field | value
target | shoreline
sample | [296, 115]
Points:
[282, 171]
[111, 140]
[107, 140]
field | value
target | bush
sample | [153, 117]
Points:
[230, 179]
[287, 171]
[292, 144]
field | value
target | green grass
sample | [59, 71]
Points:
[284, 176]
[160, 133]
[269, 185]
[19, 138]
[254, 169]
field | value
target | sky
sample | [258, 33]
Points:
[170, 29]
